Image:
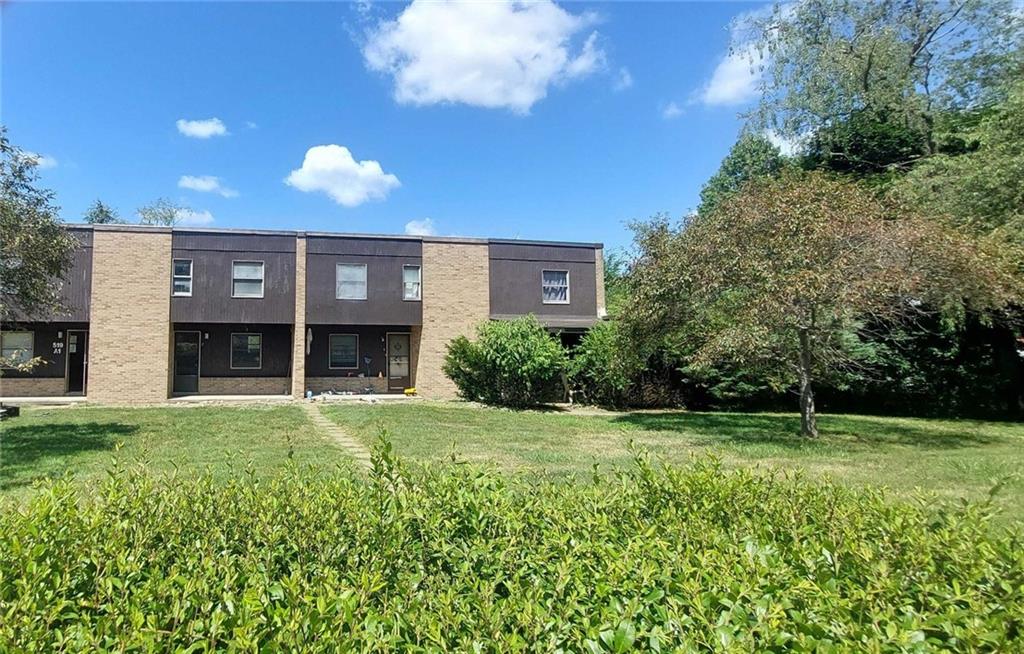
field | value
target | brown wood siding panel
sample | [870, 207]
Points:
[530, 252]
[515, 272]
[384, 261]
[232, 242]
[378, 247]
[211, 299]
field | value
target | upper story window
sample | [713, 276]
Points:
[555, 286]
[350, 281]
[411, 282]
[247, 279]
[182, 278]
[246, 351]
[16, 348]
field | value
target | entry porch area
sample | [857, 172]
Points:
[215, 359]
[360, 359]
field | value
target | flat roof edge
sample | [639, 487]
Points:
[298, 233]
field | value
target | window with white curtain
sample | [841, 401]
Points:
[410, 282]
[350, 281]
[555, 286]
[16, 347]
[247, 279]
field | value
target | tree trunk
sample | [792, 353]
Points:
[808, 421]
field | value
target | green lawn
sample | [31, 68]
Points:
[955, 458]
[951, 458]
[83, 441]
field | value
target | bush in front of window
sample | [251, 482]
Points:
[513, 363]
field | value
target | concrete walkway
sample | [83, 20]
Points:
[351, 446]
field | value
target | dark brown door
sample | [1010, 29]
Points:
[186, 362]
[398, 362]
[78, 360]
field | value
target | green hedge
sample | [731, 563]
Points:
[460, 559]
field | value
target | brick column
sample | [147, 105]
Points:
[299, 331]
[130, 329]
[456, 298]
[602, 310]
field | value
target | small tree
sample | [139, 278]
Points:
[514, 363]
[161, 212]
[35, 249]
[782, 275]
[101, 214]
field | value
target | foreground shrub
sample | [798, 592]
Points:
[459, 559]
[514, 363]
[605, 368]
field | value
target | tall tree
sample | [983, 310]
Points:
[102, 214]
[781, 276]
[827, 61]
[752, 156]
[161, 212]
[35, 249]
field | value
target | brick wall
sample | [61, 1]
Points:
[298, 387]
[244, 385]
[341, 384]
[31, 387]
[456, 298]
[129, 334]
[599, 271]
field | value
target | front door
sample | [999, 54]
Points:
[186, 362]
[398, 362]
[78, 360]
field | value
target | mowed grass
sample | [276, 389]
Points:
[951, 459]
[83, 442]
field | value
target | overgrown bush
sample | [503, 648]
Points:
[605, 369]
[456, 558]
[514, 363]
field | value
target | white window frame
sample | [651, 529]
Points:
[568, 287]
[419, 283]
[263, 278]
[329, 366]
[337, 280]
[32, 342]
[231, 351]
[175, 278]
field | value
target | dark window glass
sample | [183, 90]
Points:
[344, 351]
[247, 351]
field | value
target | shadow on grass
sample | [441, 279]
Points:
[23, 447]
[756, 428]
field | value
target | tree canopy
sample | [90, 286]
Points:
[35, 249]
[752, 156]
[102, 214]
[781, 275]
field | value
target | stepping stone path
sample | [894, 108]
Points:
[351, 446]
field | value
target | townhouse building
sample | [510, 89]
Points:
[152, 313]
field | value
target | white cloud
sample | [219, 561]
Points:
[202, 129]
[193, 218]
[483, 54]
[735, 80]
[423, 227]
[623, 80]
[671, 110]
[332, 170]
[251, 125]
[43, 161]
[206, 184]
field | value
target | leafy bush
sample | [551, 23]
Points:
[457, 558]
[605, 368]
[514, 363]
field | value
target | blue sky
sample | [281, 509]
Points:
[543, 121]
